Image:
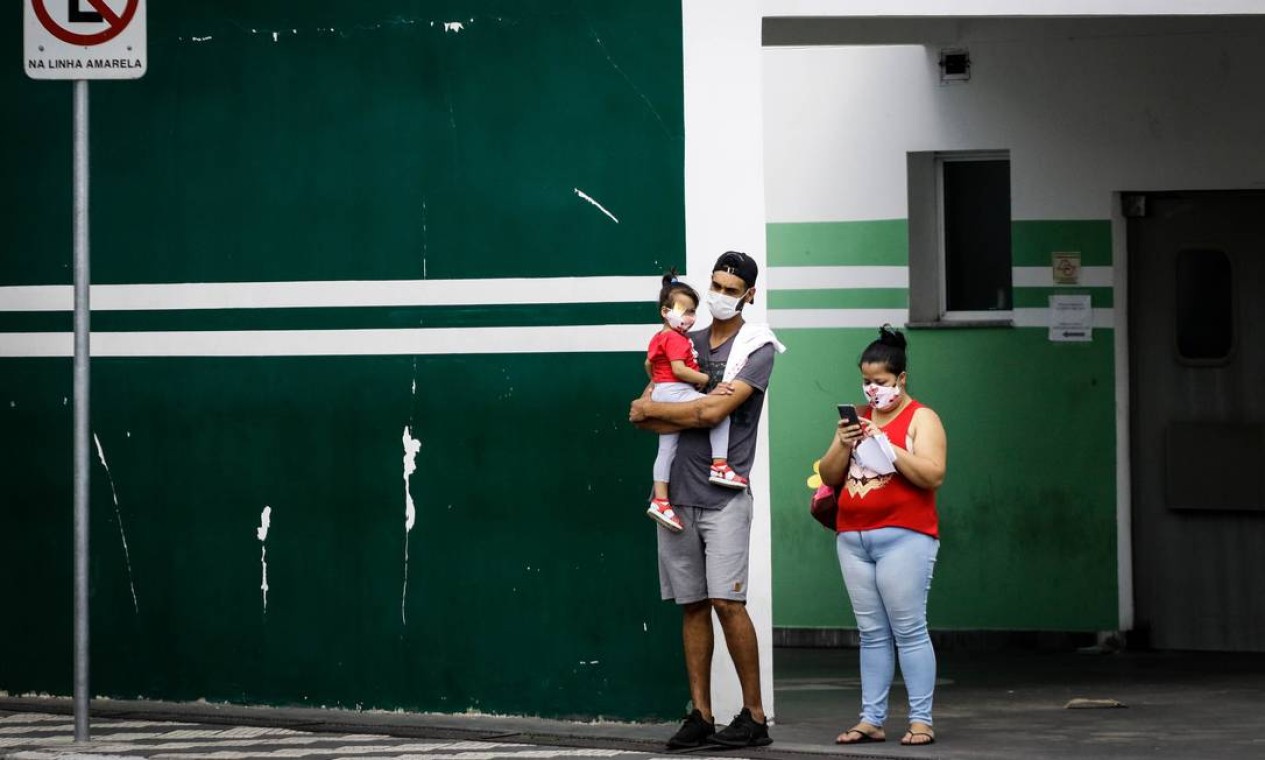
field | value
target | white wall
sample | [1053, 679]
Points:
[724, 210]
[1086, 107]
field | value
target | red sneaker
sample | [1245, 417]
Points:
[723, 475]
[661, 512]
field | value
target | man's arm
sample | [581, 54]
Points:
[706, 412]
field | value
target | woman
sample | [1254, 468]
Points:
[888, 537]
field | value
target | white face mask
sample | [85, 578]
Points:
[721, 306]
[881, 397]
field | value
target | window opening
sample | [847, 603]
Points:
[1205, 306]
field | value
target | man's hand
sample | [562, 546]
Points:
[636, 410]
[722, 389]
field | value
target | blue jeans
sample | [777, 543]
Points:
[888, 574]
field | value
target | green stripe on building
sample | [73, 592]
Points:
[883, 242]
[340, 318]
[1032, 242]
[868, 298]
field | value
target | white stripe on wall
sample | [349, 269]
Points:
[840, 277]
[872, 318]
[293, 295]
[1043, 277]
[452, 340]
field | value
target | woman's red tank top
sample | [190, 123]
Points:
[869, 500]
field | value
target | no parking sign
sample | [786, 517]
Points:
[84, 39]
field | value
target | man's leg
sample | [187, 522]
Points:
[682, 578]
[696, 633]
[727, 535]
[744, 650]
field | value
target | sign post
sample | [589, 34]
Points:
[82, 40]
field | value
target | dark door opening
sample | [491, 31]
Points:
[1197, 369]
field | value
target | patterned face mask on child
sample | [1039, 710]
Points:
[678, 320]
[881, 397]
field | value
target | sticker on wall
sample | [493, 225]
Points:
[1071, 319]
[1066, 267]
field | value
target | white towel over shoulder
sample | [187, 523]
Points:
[750, 337]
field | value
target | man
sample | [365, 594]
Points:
[704, 567]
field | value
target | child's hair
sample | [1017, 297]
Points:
[888, 350]
[672, 286]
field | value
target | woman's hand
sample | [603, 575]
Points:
[850, 435]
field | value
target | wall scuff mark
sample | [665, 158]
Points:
[425, 249]
[606, 53]
[411, 447]
[118, 517]
[265, 522]
[600, 207]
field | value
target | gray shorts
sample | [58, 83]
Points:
[709, 559]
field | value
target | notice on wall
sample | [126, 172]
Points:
[1071, 319]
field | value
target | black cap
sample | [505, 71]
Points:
[740, 264]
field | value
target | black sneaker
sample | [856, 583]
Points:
[743, 731]
[694, 732]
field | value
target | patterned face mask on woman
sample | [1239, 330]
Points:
[881, 397]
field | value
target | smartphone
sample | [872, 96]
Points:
[848, 413]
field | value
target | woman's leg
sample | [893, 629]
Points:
[904, 563]
[878, 663]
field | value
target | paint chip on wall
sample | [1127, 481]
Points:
[265, 522]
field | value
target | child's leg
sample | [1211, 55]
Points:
[663, 463]
[720, 441]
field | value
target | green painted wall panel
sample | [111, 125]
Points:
[1028, 509]
[883, 242]
[367, 143]
[532, 583]
[353, 142]
[1033, 241]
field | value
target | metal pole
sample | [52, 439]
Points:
[82, 430]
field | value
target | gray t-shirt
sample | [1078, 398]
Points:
[689, 486]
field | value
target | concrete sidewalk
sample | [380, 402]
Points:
[995, 705]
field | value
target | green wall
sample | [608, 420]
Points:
[363, 142]
[1028, 510]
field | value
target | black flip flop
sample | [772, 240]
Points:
[931, 739]
[865, 738]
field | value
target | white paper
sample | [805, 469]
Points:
[876, 454]
[1071, 319]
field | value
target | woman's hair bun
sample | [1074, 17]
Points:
[890, 336]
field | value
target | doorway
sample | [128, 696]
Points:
[1197, 369]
